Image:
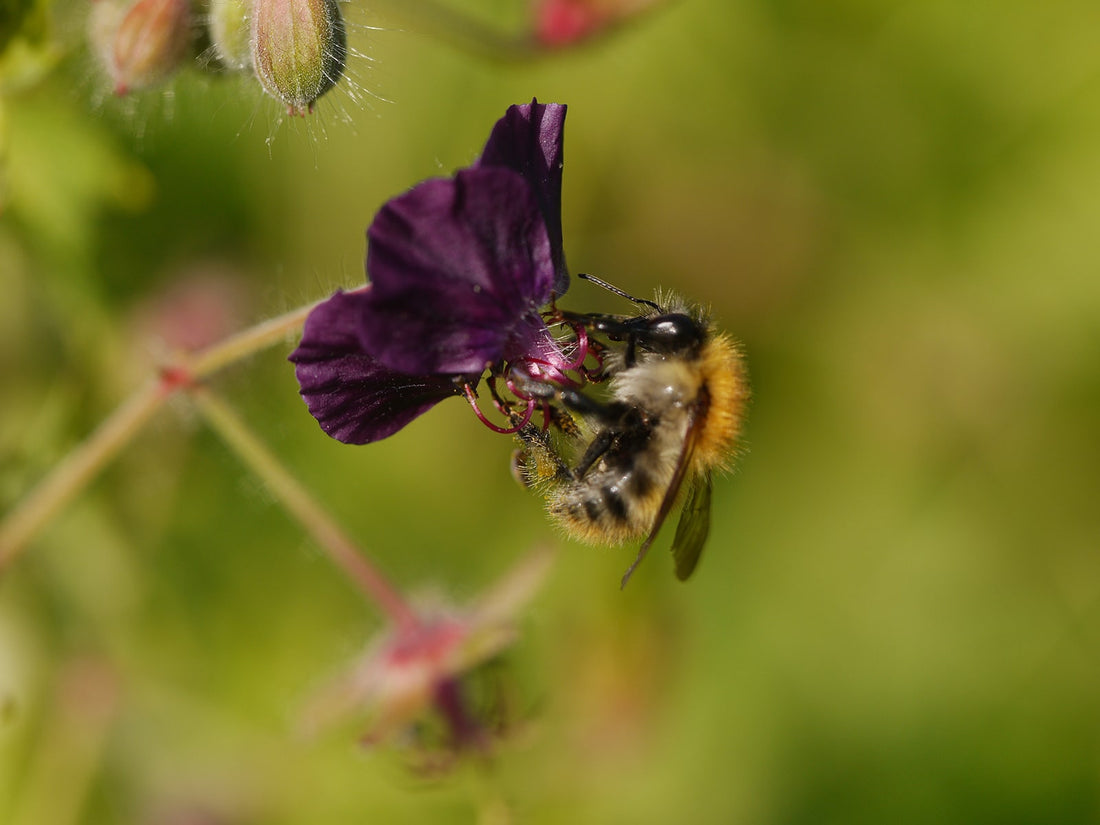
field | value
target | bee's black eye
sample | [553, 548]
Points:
[671, 333]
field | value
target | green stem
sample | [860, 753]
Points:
[80, 466]
[245, 343]
[340, 549]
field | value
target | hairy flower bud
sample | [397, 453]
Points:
[299, 49]
[141, 43]
[418, 670]
[229, 33]
[567, 22]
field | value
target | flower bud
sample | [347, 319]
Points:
[229, 31]
[299, 49]
[567, 22]
[141, 43]
[418, 669]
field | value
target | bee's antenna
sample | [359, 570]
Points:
[584, 276]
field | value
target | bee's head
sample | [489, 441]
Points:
[670, 333]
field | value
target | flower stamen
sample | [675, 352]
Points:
[522, 422]
[582, 348]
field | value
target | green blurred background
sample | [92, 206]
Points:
[894, 206]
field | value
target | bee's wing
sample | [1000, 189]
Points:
[669, 501]
[691, 532]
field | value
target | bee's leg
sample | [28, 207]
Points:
[600, 445]
[613, 418]
[539, 460]
[561, 420]
[611, 415]
[615, 329]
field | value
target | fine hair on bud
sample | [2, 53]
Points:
[299, 49]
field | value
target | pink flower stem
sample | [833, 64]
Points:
[78, 468]
[84, 463]
[335, 543]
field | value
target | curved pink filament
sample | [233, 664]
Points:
[582, 347]
[543, 404]
[495, 427]
[516, 391]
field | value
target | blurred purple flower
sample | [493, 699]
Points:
[459, 270]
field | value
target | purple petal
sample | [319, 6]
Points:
[459, 268]
[528, 140]
[354, 398]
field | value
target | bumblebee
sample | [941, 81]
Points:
[672, 416]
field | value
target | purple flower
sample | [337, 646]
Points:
[353, 397]
[528, 140]
[459, 270]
